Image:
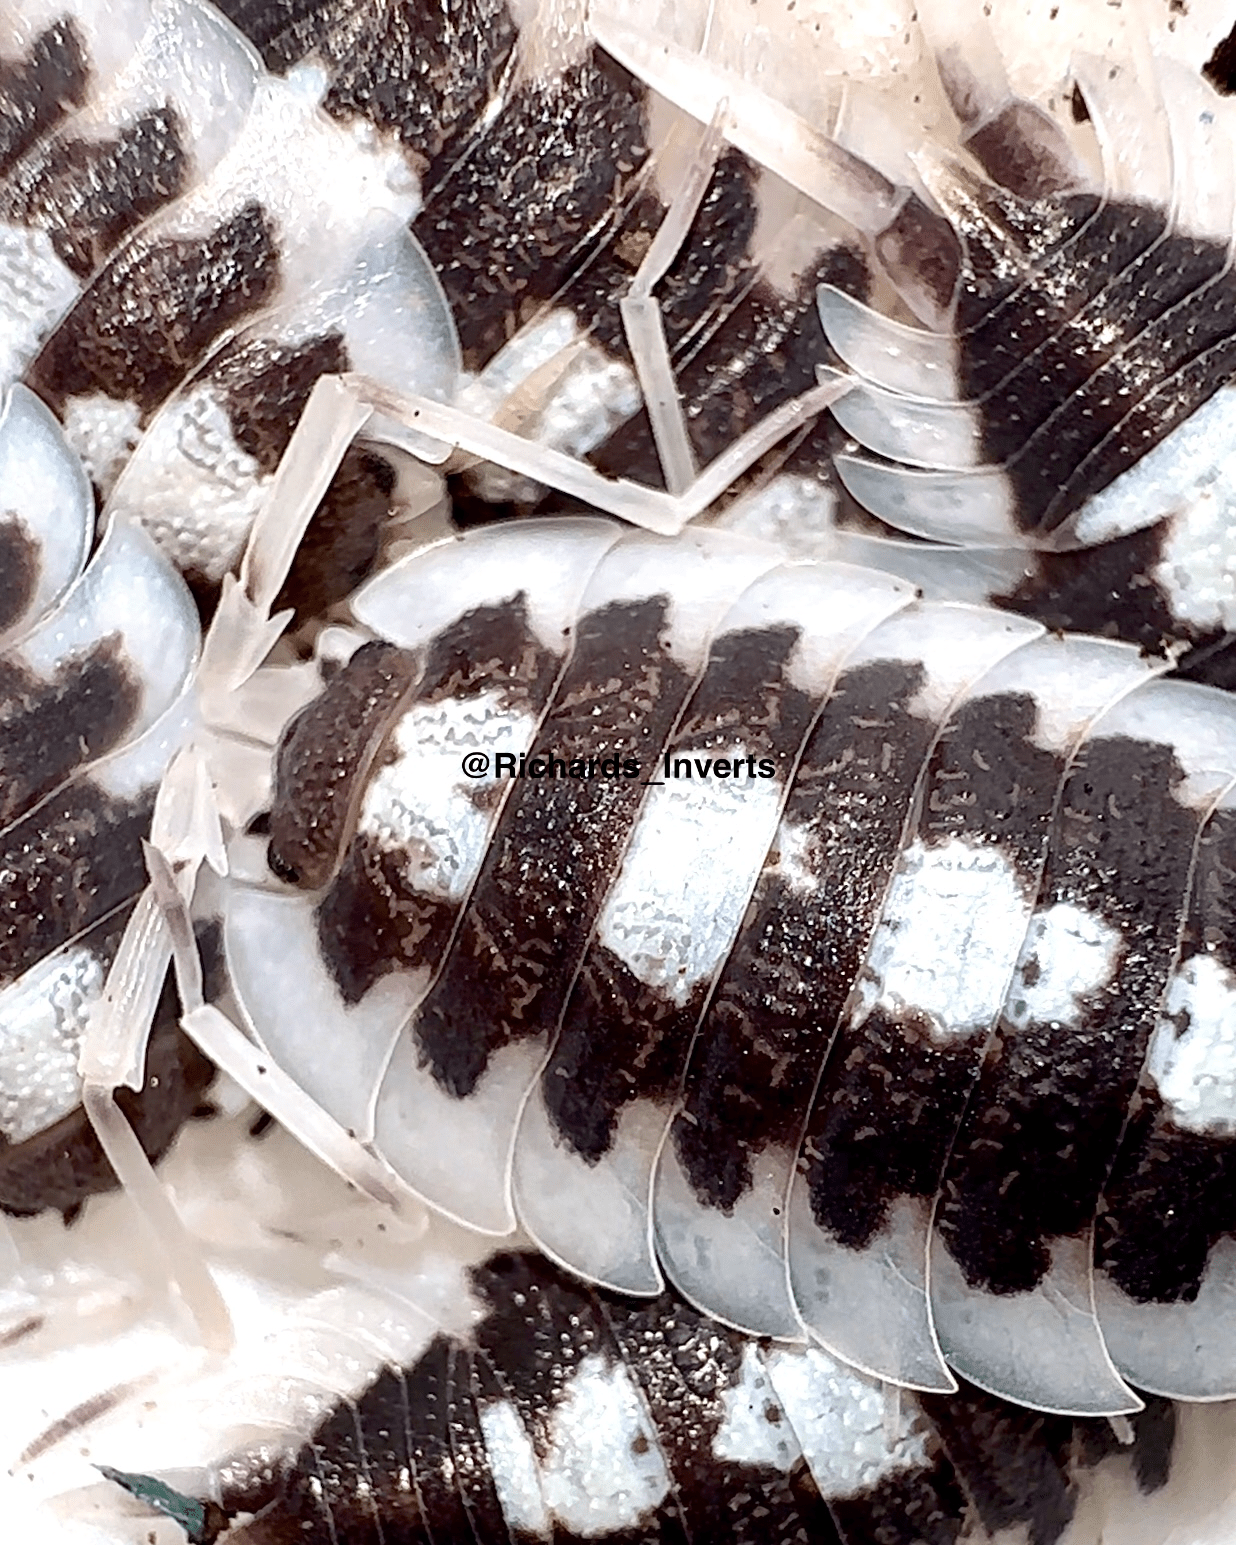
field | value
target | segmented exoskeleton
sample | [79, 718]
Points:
[687, 1014]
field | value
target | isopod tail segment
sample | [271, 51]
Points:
[1013, 421]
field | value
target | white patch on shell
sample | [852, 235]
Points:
[793, 866]
[1069, 955]
[841, 1418]
[512, 1467]
[793, 513]
[422, 804]
[42, 1021]
[36, 289]
[696, 852]
[576, 411]
[1190, 475]
[602, 1470]
[104, 433]
[1198, 568]
[948, 937]
[1194, 1068]
[755, 1430]
[192, 487]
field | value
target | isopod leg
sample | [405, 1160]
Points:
[641, 315]
[114, 1051]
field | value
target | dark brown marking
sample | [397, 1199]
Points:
[65, 866]
[49, 728]
[20, 561]
[553, 855]
[1042, 1129]
[37, 92]
[323, 762]
[152, 313]
[371, 921]
[90, 193]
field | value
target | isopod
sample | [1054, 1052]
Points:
[753, 1031]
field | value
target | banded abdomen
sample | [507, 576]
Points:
[822, 874]
[95, 700]
[569, 1413]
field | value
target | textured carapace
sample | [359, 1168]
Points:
[779, 946]
[571, 1414]
[776, 932]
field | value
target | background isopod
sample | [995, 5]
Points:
[181, 422]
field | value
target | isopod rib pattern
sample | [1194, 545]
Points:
[781, 931]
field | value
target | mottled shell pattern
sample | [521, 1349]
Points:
[701, 774]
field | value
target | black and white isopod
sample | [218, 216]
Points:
[850, 870]
[618, 1008]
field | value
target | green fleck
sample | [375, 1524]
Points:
[203, 1522]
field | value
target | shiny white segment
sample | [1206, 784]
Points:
[841, 1419]
[730, 1264]
[1075, 679]
[513, 1468]
[1042, 1349]
[754, 1429]
[972, 508]
[603, 1470]
[191, 486]
[1197, 722]
[887, 353]
[43, 1017]
[1197, 570]
[970, 575]
[128, 591]
[941, 947]
[919, 433]
[1069, 955]
[794, 514]
[140, 767]
[673, 912]
[709, 568]
[549, 561]
[834, 606]
[456, 1154]
[1204, 191]
[1192, 1057]
[869, 1307]
[1189, 474]
[593, 1218]
[300, 1018]
[112, 29]
[47, 492]
[954, 644]
[421, 805]
[1186, 1350]
[1131, 126]
[192, 59]
[325, 184]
